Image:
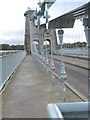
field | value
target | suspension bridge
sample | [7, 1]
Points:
[41, 81]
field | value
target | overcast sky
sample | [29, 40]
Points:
[12, 21]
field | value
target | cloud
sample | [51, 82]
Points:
[12, 33]
[12, 37]
[63, 6]
[12, 20]
[75, 34]
[13, 41]
[66, 1]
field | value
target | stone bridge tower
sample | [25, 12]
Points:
[34, 33]
[29, 20]
[27, 33]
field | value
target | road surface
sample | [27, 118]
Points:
[76, 76]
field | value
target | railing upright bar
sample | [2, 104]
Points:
[8, 64]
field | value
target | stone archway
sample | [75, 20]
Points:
[35, 45]
[47, 45]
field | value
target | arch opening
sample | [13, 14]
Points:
[47, 46]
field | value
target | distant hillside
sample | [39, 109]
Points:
[11, 47]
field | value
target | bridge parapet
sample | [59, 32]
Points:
[8, 65]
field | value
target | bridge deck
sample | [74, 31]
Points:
[29, 92]
[74, 60]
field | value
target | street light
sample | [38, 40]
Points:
[46, 16]
[63, 75]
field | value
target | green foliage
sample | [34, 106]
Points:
[73, 45]
[11, 47]
[17, 47]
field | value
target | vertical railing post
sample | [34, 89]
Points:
[63, 75]
[46, 16]
[9, 66]
[52, 67]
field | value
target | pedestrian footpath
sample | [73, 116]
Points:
[30, 90]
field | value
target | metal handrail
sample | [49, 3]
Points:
[8, 65]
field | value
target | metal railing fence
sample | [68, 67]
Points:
[8, 64]
[72, 51]
[37, 56]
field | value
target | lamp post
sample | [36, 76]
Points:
[46, 56]
[52, 66]
[63, 75]
[46, 16]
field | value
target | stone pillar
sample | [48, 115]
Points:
[31, 34]
[27, 35]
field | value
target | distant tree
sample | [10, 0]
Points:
[74, 45]
[6, 47]
[17, 47]
[11, 47]
[84, 44]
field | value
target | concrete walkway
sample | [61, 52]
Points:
[29, 92]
